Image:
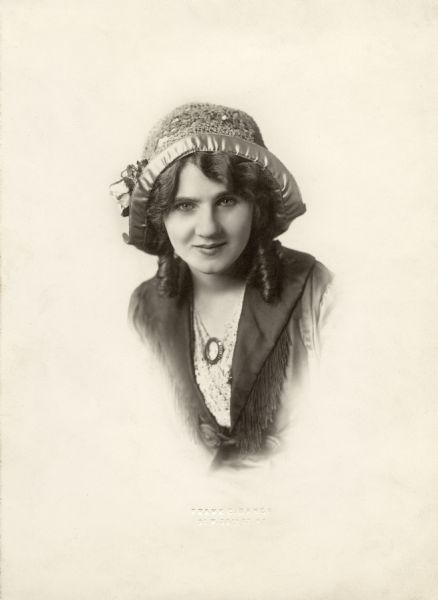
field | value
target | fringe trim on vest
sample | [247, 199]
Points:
[259, 412]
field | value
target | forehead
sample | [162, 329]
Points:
[193, 183]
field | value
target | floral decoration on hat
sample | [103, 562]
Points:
[122, 189]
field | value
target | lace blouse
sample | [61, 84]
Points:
[212, 359]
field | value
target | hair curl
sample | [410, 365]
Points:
[260, 262]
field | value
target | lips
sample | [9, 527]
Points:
[210, 246]
[210, 249]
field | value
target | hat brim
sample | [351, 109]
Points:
[293, 205]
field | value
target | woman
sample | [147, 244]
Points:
[234, 316]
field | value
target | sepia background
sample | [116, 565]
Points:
[99, 484]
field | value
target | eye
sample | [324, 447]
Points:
[183, 206]
[227, 201]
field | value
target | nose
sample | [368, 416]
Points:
[207, 224]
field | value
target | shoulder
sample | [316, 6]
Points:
[147, 291]
[144, 305]
[318, 277]
[321, 279]
[316, 298]
[153, 314]
[146, 294]
[290, 256]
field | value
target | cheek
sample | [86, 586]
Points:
[177, 229]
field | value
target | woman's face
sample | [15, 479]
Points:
[208, 226]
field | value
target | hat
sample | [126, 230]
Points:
[200, 127]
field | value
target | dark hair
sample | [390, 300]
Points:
[260, 262]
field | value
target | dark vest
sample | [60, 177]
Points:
[267, 342]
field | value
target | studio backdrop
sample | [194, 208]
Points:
[103, 495]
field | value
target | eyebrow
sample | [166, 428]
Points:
[197, 200]
[185, 199]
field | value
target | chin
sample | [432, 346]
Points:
[212, 268]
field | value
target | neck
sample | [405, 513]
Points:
[213, 284]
